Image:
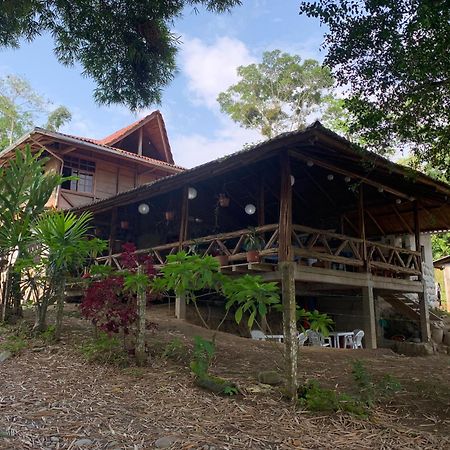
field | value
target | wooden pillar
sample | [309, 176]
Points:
[260, 210]
[140, 142]
[184, 216]
[287, 270]
[286, 266]
[112, 232]
[140, 336]
[362, 225]
[416, 226]
[368, 308]
[378, 327]
[180, 307]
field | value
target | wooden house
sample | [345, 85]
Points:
[330, 218]
[130, 157]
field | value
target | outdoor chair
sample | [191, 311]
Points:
[354, 341]
[317, 340]
[258, 335]
[302, 338]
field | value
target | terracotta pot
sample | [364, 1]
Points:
[253, 256]
[124, 224]
[224, 201]
[223, 260]
[169, 215]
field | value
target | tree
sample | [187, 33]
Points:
[279, 94]
[62, 245]
[126, 46]
[21, 107]
[394, 57]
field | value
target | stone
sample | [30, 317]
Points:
[83, 442]
[5, 355]
[270, 377]
[413, 349]
[54, 439]
[165, 441]
[446, 339]
[37, 349]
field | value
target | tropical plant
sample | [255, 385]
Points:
[64, 245]
[278, 94]
[126, 47]
[25, 189]
[250, 295]
[252, 240]
[319, 322]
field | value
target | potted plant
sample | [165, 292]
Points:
[220, 255]
[253, 244]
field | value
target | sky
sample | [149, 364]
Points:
[212, 47]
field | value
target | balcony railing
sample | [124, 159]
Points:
[310, 247]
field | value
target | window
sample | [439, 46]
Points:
[84, 171]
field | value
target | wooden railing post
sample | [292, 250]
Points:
[184, 217]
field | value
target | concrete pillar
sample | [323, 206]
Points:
[447, 285]
[180, 307]
[368, 307]
[424, 316]
[378, 327]
[287, 270]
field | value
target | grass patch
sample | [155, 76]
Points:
[14, 344]
[105, 349]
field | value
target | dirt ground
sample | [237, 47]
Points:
[52, 398]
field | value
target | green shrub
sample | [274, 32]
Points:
[364, 381]
[105, 350]
[49, 334]
[14, 344]
[175, 349]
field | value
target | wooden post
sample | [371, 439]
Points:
[180, 307]
[184, 217]
[368, 307]
[140, 337]
[112, 232]
[447, 285]
[286, 266]
[416, 226]
[362, 225]
[260, 210]
[140, 142]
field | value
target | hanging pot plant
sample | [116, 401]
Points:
[224, 200]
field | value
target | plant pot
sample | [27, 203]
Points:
[253, 256]
[224, 201]
[223, 260]
[124, 224]
[169, 215]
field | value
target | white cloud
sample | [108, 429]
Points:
[211, 69]
[190, 150]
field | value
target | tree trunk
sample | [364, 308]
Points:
[5, 294]
[140, 335]
[40, 323]
[60, 291]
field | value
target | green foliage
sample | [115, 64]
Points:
[48, 335]
[105, 350]
[186, 274]
[253, 241]
[440, 245]
[101, 271]
[202, 357]
[21, 107]
[126, 47]
[316, 398]
[389, 54]
[14, 344]
[250, 294]
[321, 323]
[277, 94]
[174, 349]
[136, 282]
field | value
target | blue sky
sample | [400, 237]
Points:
[213, 46]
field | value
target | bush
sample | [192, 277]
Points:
[14, 344]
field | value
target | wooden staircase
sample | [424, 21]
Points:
[407, 306]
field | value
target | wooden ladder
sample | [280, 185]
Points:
[407, 306]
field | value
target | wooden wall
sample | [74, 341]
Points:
[110, 178]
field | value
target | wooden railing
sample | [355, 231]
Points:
[310, 247]
[229, 244]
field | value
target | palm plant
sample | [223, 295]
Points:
[63, 241]
[25, 189]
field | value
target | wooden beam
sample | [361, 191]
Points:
[285, 221]
[361, 221]
[349, 173]
[319, 187]
[375, 222]
[260, 204]
[416, 226]
[68, 150]
[397, 213]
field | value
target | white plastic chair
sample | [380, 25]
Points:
[357, 340]
[302, 338]
[258, 335]
[317, 339]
